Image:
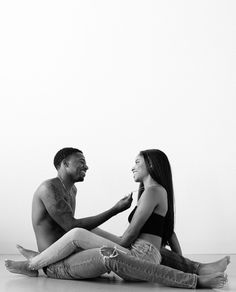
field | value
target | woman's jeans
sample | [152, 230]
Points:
[140, 263]
[95, 262]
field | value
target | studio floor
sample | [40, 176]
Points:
[16, 283]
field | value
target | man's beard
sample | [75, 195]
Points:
[79, 179]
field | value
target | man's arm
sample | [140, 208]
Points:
[62, 213]
[174, 244]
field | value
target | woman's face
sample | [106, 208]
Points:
[139, 170]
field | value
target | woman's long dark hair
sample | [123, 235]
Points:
[159, 169]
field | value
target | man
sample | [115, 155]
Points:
[54, 201]
[53, 211]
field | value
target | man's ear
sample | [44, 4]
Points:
[65, 162]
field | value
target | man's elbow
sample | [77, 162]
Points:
[68, 225]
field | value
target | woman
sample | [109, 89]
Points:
[136, 254]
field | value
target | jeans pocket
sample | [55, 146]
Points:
[140, 249]
[146, 251]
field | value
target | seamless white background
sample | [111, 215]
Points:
[113, 78]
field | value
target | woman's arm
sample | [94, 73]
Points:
[147, 203]
[174, 244]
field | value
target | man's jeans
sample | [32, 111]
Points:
[178, 262]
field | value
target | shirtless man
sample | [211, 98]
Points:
[53, 211]
[54, 201]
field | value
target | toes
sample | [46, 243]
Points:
[219, 286]
[7, 263]
[223, 284]
[223, 281]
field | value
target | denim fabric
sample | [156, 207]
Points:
[178, 262]
[131, 268]
[65, 268]
[77, 238]
[141, 264]
[69, 243]
[57, 271]
[82, 265]
[70, 267]
[145, 251]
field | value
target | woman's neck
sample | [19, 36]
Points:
[149, 182]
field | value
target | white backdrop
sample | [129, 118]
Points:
[113, 78]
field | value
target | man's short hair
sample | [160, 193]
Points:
[62, 154]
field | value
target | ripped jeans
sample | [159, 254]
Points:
[142, 263]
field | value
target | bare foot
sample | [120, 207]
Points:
[211, 268]
[217, 280]
[20, 267]
[27, 253]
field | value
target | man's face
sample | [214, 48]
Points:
[76, 166]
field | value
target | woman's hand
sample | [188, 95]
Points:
[174, 244]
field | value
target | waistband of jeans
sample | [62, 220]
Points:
[140, 240]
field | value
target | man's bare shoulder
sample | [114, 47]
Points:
[48, 188]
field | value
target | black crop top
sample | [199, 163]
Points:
[154, 225]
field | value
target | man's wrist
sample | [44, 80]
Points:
[114, 210]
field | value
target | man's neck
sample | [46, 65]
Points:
[65, 180]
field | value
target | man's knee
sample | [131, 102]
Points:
[77, 232]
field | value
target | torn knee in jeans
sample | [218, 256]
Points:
[109, 253]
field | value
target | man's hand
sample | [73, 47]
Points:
[124, 203]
